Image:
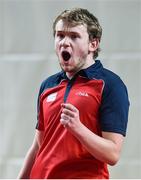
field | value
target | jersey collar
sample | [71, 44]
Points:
[90, 72]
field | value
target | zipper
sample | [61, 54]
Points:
[68, 88]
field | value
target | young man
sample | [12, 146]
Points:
[82, 110]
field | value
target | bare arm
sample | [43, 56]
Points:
[30, 156]
[106, 148]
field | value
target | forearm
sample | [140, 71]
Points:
[106, 148]
[102, 149]
[28, 163]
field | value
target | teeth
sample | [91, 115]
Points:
[66, 55]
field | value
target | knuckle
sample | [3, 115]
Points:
[62, 121]
[62, 115]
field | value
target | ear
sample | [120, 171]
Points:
[93, 44]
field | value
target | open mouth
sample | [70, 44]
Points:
[66, 55]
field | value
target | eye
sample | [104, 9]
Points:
[74, 36]
[60, 35]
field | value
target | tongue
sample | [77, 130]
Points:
[66, 55]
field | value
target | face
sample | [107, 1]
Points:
[73, 48]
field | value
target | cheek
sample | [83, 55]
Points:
[56, 47]
[82, 51]
[56, 42]
[82, 48]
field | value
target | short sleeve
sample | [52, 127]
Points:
[46, 84]
[40, 122]
[114, 109]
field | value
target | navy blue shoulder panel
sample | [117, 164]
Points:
[50, 82]
[115, 103]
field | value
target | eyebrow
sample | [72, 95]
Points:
[69, 32]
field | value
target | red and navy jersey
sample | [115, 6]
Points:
[102, 100]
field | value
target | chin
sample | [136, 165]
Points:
[65, 68]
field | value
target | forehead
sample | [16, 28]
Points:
[66, 27]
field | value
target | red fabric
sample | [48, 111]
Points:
[61, 155]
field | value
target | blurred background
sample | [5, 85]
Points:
[27, 57]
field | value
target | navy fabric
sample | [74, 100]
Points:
[115, 103]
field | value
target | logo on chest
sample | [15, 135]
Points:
[80, 93]
[51, 97]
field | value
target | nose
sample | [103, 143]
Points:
[65, 42]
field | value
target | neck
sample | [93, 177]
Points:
[70, 75]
